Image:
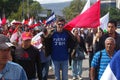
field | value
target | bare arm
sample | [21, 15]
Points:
[92, 73]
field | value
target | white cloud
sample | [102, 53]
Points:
[51, 1]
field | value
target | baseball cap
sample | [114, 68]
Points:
[5, 42]
[26, 35]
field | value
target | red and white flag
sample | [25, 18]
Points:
[15, 37]
[88, 19]
[36, 40]
[87, 5]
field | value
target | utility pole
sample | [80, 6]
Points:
[28, 11]
[23, 10]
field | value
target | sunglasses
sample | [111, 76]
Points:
[61, 24]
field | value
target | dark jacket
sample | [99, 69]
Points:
[82, 46]
[102, 41]
[29, 59]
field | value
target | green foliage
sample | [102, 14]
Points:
[8, 6]
[114, 13]
[74, 9]
[19, 9]
[35, 8]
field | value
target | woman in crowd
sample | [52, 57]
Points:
[76, 59]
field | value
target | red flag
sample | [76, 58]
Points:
[3, 21]
[44, 21]
[34, 25]
[88, 19]
[26, 22]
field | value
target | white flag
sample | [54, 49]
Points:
[0, 22]
[36, 40]
[87, 5]
[104, 21]
[30, 21]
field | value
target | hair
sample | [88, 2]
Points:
[74, 29]
[113, 22]
[100, 30]
[60, 19]
[110, 38]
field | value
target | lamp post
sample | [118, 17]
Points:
[28, 15]
[23, 10]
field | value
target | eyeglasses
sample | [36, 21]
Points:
[60, 24]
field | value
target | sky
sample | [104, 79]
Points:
[56, 8]
[51, 1]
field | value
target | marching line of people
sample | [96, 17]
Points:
[58, 48]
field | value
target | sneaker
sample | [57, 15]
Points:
[50, 68]
[80, 78]
[69, 67]
[74, 78]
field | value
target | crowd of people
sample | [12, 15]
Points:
[61, 49]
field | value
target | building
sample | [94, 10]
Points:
[118, 4]
[108, 3]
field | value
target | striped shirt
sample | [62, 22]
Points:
[105, 59]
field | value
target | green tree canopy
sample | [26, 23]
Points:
[19, 9]
[74, 9]
[8, 6]
[114, 13]
[25, 11]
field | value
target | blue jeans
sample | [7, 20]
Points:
[45, 69]
[63, 65]
[76, 68]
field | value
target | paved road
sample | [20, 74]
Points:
[85, 73]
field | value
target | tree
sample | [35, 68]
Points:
[8, 6]
[114, 13]
[35, 8]
[26, 11]
[74, 9]
[19, 9]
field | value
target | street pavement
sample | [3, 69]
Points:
[85, 73]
